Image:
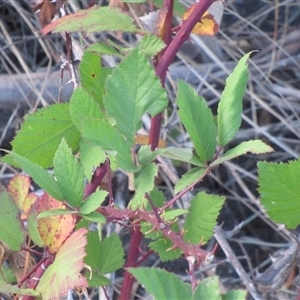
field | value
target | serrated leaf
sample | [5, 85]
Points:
[208, 289]
[44, 129]
[55, 229]
[254, 147]
[39, 175]
[145, 155]
[144, 183]
[106, 256]
[109, 139]
[96, 280]
[198, 120]
[158, 198]
[235, 295]
[202, 217]
[11, 229]
[82, 105]
[64, 273]
[150, 45]
[163, 285]
[162, 247]
[180, 154]
[92, 202]
[188, 178]
[94, 217]
[280, 191]
[93, 20]
[172, 214]
[103, 48]
[69, 174]
[93, 77]
[55, 212]
[90, 157]
[133, 90]
[230, 106]
[18, 189]
[13, 289]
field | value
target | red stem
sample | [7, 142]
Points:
[133, 255]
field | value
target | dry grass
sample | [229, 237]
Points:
[271, 104]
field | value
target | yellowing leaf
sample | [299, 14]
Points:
[55, 229]
[64, 273]
[210, 21]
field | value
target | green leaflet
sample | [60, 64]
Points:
[230, 106]
[280, 191]
[202, 217]
[198, 121]
[133, 90]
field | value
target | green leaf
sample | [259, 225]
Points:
[208, 289]
[162, 246]
[55, 212]
[189, 178]
[145, 155]
[109, 139]
[92, 202]
[144, 183]
[7, 275]
[90, 157]
[32, 227]
[198, 120]
[12, 232]
[181, 154]
[82, 105]
[69, 174]
[235, 295]
[150, 45]
[13, 289]
[230, 106]
[106, 256]
[161, 284]
[97, 280]
[158, 198]
[172, 214]
[39, 175]
[92, 20]
[133, 90]
[93, 76]
[103, 48]
[42, 132]
[94, 217]
[202, 216]
[254, 147]
[280, 191]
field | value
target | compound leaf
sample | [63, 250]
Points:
[201, 218]
[198, 120]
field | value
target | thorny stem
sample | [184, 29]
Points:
[96, 180]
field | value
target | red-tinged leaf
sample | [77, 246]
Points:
[29, 200]
[64, 273]
[92, 20]
[53, 230]
[18, 189]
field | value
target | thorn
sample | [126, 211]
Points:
[172, 248]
